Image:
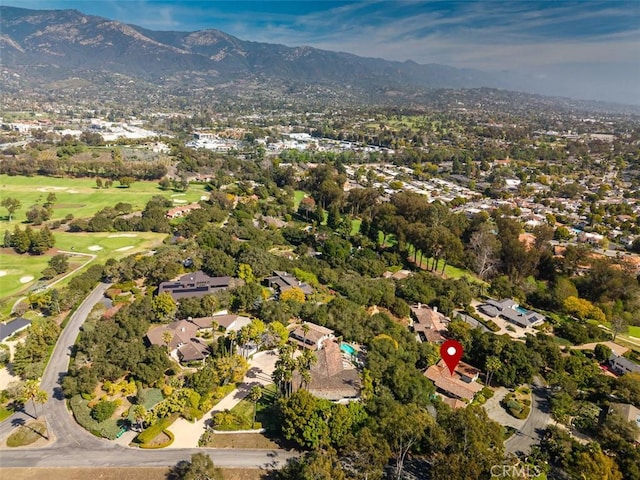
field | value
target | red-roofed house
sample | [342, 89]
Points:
[461, 386]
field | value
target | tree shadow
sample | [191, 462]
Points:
[178, 471]
[23, 409]
[18, 422]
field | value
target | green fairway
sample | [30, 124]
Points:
[111, 244]
[22, 272]
[634, 331]
[80, 197]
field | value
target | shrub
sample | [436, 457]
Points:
[168, 442]
[514, 405]
[103, 410]
[487, 392]
[82, 413]
[229, 420]
[149, 433]
[522, 414]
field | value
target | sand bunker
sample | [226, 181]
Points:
[26, 279]
[124, 249]
[124, 235]
[94, 248]
[179, 201]
[72, 191]
[3, 273]
[178, 195]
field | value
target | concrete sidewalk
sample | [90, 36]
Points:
[261, 366]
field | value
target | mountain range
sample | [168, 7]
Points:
[70, 40]
[52, 45]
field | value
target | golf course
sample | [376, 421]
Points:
[20, 274]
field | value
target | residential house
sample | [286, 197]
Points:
[428, 324]
[629, 412]
[180, 339]
[230, 323]
[182, 210]
[621, 365]
[314, 337]
[195, 284]
[333, 377]
[283, 281]
[14, 326]
[399, 275]
[512, 312]
[458, 388]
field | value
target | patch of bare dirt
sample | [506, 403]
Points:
[132, 473]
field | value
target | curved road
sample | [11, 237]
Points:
[533, 429]
[73, 446]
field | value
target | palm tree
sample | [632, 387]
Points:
[492, 365]
[284, 368]
[304, 364]
[167, 337]
[32, 391]
[305, 331]
[233, 335]
[139, 414]
[254, 395]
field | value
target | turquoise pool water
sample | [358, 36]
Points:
[345, 347]
[522, 310]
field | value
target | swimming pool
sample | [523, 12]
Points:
[345, 347]
[524, 311]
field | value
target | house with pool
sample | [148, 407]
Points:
[512, 312]
[335, 376]
[310, 335]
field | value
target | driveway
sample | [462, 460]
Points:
[261, 366]
[535, 425]
[499, 414]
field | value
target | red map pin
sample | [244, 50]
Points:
[451, 353]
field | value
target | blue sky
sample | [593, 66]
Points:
[552, 38]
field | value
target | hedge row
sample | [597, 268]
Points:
[161, 445]
[148, 434]
[82, 413]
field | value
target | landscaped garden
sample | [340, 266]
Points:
[240, 417]
[518, 403]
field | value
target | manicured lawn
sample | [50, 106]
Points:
[634, 331]
[5, 413]
[112, 244]
[450, 271]
[264, 415]
[27, 434]
[80, 197]
[298, 195]
[355, 226]
[17, 267]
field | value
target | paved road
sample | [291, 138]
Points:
[75, 447]
[536, 424]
